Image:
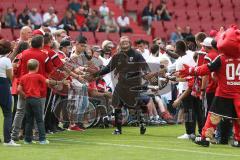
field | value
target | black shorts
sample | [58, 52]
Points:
[123, 96]
[223, 107]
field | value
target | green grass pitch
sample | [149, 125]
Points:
[159, 143]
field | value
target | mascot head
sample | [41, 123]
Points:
[228, 42]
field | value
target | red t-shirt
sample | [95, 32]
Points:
[212, 84]
[92, 86]
[201, 56]
[61, 55]
[227, 72]
[33, 85]
[80, 19]
[53, 56]
[196, 86]
[45, 65]
[101, 85]
[15, 80]
[228, 78]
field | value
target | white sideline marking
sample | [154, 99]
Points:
[129, 140]
[145, 147]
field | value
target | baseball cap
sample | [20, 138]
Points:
[65, 43]
[37, 32]
[96, 49]
[107, 43]
[213, 33]
[207, 42]
[81, 39]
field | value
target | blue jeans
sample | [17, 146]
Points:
[34, 110]
[149, 20]
[6, 104]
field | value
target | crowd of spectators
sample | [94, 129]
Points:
[77, 17]
[160, 13]
[184, 48]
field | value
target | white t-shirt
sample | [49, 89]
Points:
[47, 17]
[188, 60]
[123, 22]
[108, 77]
[103, 10]
[145, 53]
[153, 63]
[5, 64]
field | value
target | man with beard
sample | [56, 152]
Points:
[129, 65]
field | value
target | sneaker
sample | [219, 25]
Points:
[187, 136]
[117, 132]
[154, 122]
[184, 136]
[44, 142]
[142, 129]
[49, 132]
[11, 143]
[75, 128]
[168, 118]
[235, 143]
[162, 122]
[205, 142]
[192, 136]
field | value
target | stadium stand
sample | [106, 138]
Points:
[194, 13]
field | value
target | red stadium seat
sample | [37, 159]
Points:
[114, 37]
[5, 5]
[34, 5]
[90, 37]
[101, 36]
[216, 6]
[134, 37]
[19, 7]
[6, 33]
[7, 1]
[16, 34]
[158, 30]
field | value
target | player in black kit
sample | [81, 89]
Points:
[131, 68]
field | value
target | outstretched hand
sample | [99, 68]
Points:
[91, 68]
[186, 71]
[90, 77]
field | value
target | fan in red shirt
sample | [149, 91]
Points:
[209, 84]
[45, 65]
[81, 20]
[30, 88]
[51, 53]
[226, 102]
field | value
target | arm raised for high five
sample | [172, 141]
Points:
[205, 69]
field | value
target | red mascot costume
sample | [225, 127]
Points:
[227, 97]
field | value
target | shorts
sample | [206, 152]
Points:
[223, 107]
